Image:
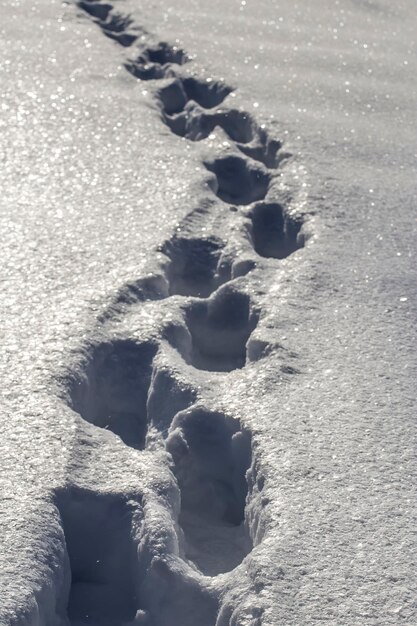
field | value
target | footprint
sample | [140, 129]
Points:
[219, 329]
[162, 53]
[177, 92]
[239, 182]
[207, 93]
[102, 558]
[194, 268]
[115, 27]
[274, 233]
[154, 62]
[96, 9]
[145, 71]
[113, 390]
[211, 456]
[172, 96]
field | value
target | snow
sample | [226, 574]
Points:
[208, 314]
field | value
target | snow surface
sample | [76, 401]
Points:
[208, 312]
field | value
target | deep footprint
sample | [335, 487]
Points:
[211, 455]
[154, 62]
[102, 558]
[194, 268]
[113, 389]
[238, 181]
[274, 233]
[207, 93]
[96, 9]
[219, 329]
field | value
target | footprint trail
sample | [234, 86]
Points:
[117, 575]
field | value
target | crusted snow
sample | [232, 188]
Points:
[208, 313]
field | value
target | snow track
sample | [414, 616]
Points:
[120, 570]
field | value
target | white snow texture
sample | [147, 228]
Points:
[207, 398]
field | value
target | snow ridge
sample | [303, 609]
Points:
[119, 570]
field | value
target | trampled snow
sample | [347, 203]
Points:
[208, 313]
